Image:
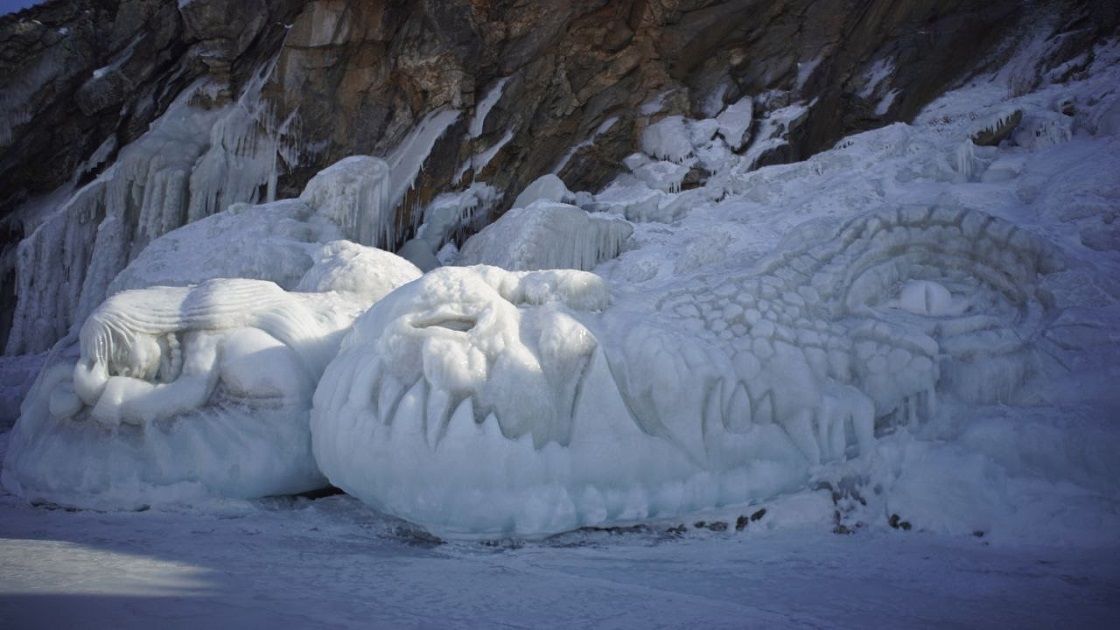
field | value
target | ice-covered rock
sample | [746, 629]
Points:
[546, 235]
[355, 194]
[1042, 128]
[667, 139]
[997, 128]
[663, 175]
[346, 267]
[735, 122]
[547, 187]
[420, 253]
[190, 164]
[275, 241]
[185, 393]
[450, 213]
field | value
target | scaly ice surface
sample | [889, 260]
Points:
[554, 409]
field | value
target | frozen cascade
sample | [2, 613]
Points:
[190, 164]
[452, 212]
[482, 110]
[477, 162]
[406, 161]
[354, 193]
[603, 127]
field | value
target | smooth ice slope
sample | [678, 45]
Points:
[276, 241]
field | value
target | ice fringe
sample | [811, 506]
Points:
[478, 401]
[190, 164]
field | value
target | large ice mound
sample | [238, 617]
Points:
[547, 235]
[181, 393]
[483, 401]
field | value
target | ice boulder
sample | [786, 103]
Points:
[186, 393]
[419, 252]
[275, 241]
[354, 193]
[547, 235]
[735, 122]
[366, 272]
[667, 139]
[545, 188]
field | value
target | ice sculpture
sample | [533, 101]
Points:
[479, 401]
[182, 393]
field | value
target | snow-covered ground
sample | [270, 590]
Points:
[332, 563]
[999, 506]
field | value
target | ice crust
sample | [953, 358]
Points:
[544, 188]
[354, 193]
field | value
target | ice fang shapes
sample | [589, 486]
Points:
[727, 389]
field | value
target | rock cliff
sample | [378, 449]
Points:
[122, 120]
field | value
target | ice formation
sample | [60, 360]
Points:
[182, 393]
[546, 187]
[451, 213]
[667, 139]
[482, 401]
[189, 165]
[853, 318]
[603, 127]
[276, 241]
[546, 235]
[355, 194]
[735, 122]
[408, 158]
[484, 106]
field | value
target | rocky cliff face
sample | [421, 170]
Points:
[122, 120]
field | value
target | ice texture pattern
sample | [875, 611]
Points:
[555, 410]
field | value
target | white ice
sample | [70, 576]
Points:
[907, 320]
[200, 388]
[355, 194]
[546, 235]
[547, 188]
[869, 318]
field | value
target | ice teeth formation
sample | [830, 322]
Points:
[184, 393]
[512, 402]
